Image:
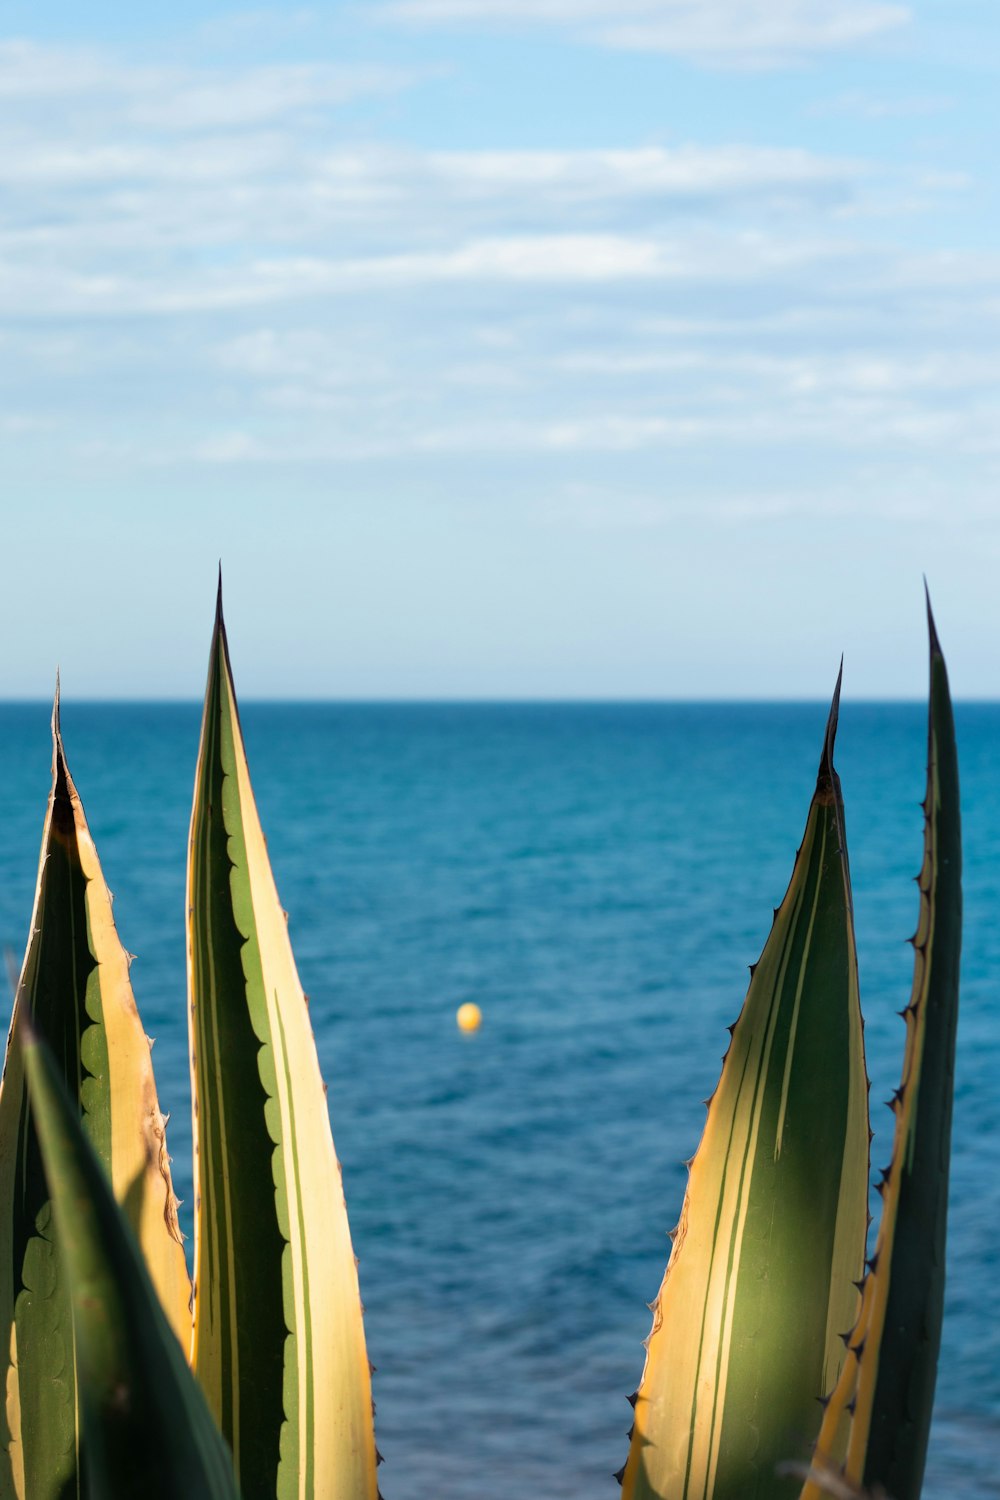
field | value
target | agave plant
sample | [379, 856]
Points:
[767, 1313]
[272, 1325]
[781, 1365]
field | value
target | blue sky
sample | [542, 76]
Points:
[502, 348]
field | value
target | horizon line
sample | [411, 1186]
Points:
[478, 700]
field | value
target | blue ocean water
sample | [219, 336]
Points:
[597, 878]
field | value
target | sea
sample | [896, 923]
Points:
[596, 877]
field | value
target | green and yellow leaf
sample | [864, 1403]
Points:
[886, 1389]
[760, 1285]
[145, 1427]
[75, 987]
[279, 1344]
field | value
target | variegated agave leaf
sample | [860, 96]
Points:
[886, 1390]
[145, 1428]
[760, 1283]
[279, 1343]
[75, 987]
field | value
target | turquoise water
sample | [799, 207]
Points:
[597, 879]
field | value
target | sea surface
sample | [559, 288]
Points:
[596, 878]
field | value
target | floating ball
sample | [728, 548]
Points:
[469, 1016]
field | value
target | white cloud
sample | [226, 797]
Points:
[171, 192]
[233, 448]
[230, 216]
[652, 391]
[140, 166]
[266, 27]
[750, 33]
[372, 175]
[643, 172]
[182, 98]
[256, 95]
[136, 190]
[605, 433]
[868, 374]
[857, 105]
[593, 508]
[14, 423]
[547, 258]
[331, 299]
[29, 70]
[559, 261]
[270, 354]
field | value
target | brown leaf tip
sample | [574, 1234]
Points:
[56, 722]
[935, 644]
[826, 781]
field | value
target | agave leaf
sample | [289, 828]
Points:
[75, 986]
[886, 1390]
[146, 1429]
[279, 1345]
[760, 1283]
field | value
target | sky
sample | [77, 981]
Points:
[500, 348]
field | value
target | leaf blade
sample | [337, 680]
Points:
[887, 1386]
[745, 1326]
[295, 1397]
[75, 985]
[146, 1427]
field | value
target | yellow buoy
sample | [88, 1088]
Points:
[469, 1016]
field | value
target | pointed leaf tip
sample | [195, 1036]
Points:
[60, 766]
[935, 644]
[219, 627]
[826, 771]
